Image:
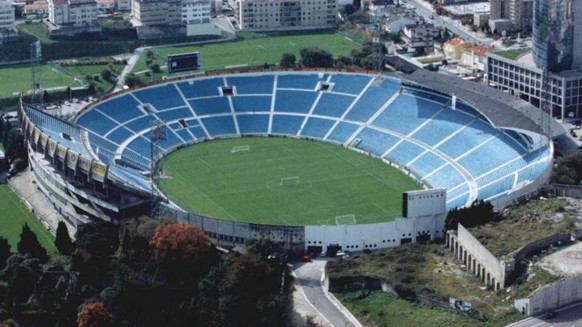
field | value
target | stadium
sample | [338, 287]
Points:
[457, 141]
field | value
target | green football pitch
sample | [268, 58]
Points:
[283, 181]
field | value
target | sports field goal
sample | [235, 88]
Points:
[289, 181]
[240, 148]
[346, 219]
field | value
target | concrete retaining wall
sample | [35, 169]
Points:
[551, 296]
[478, 259]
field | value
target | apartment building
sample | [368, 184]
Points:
[73, 12]
[511, 15]
[268, 15]
[6, 16]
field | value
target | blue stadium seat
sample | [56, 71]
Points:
[342, 132]
[373, 99]
[253, 124]
[95, 121]
[210, 106]
[259, 84]
[317, 127]
[300, 81]
[350, 83]
[218, 126]
[406, 113]
[198, 132]
[121, 108]
[426, 164]
[333, 105]
[174, 114]
[286, 124]
[183, 133]
[441, 126]
[294, 101]
[375, 142]
[404, 152]
[119, 135]
[161, 97]
[251, 103]
[140, 124]
[197, 88]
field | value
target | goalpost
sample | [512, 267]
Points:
[240, 148]
[346, 219]
[289, 181]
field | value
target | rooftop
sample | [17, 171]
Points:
[480, 50]
[503, 110]
[513, 54]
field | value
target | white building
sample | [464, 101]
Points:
[73, 12]
[156, 12]
[266, 15]
[195, 11]
[6, 16]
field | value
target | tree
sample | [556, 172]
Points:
[4, 252]
[132, 80]
[479, 213]
[287, 60]
[29, 244]
[182, 251]
[106, 75]
[155, 67]
[316, 57]
[20, 274]
[98, 239]
[46, 98]
[93, 315]
[349, 9]
[91, 88]
[63, 241]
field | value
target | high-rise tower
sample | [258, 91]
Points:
[557, 34]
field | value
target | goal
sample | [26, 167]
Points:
[289, 181]
[240, 148]
[346, 219]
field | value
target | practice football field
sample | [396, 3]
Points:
[283, 181]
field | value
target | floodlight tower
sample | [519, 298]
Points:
[35, 86]
[158, 134]
[377, 45]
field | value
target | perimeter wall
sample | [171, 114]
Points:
[551, 296]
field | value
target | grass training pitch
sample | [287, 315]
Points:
[328, 181]
[252, 52]
[14, 214]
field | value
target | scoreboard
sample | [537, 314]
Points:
[183, 62]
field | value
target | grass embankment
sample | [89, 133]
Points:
[14, 214]
[534, 220]
[418, 271]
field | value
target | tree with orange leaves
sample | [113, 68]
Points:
[182, 251]
[93, 315]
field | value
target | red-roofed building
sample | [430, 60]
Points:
[38, 8]
[475, 57]
[453, 48]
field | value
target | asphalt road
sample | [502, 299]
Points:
[569, 316]
[309, 275]
[446, 22]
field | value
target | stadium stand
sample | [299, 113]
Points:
[440, 143]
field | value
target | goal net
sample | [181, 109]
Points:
[346, 220]
[240, 148]
[289, 181]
